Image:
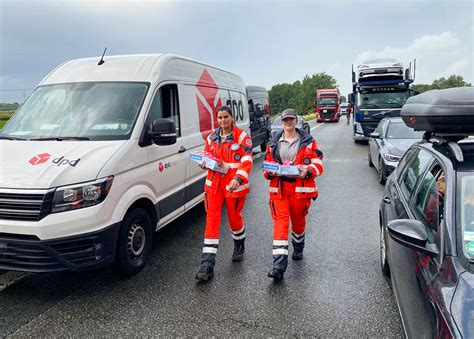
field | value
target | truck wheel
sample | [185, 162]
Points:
[134, 242]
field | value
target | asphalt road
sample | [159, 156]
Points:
[337, 290]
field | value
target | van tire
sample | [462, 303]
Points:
[134, 242]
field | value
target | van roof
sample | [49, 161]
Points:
[135, 67]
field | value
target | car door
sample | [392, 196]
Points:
[406, 265]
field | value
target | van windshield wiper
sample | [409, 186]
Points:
[7, 137]
[60, 138]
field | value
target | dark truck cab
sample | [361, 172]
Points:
[259, 110]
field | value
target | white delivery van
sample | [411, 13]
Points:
[97, 158]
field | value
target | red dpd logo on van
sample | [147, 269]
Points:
[39, 159]
[208, 88]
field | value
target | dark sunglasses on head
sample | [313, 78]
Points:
[288, 118]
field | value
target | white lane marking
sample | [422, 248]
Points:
[10, 277]
[316, 126]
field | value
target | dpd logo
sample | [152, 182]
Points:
[39, 159]
[43, 157]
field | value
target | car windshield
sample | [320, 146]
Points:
[398, 130]
[327, 101]
[86, 111]
[382, 99]
[465, 212]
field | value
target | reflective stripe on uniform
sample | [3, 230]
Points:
[242, 173]
[273, 189]
[306, 189]
[317, 161]
[246, 158]
[208, 241]
[209, 250]
[242, 137]
[315, 168]
[280, 251]
[240, 188]
[208, 182]
[238, 237]
[239, 231]
[280, 242]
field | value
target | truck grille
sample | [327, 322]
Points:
[329, 114]
[25, 205]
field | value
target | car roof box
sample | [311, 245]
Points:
[446, 111]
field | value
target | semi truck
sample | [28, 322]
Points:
[379, 88]
[327, 104]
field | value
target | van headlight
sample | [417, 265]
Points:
[81, 195]
[392, 157]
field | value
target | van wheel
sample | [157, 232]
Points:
[263, 147]
[134, 242]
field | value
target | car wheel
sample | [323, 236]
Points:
[383, 253]
[134, 242]
[369, 158]
[382, 172]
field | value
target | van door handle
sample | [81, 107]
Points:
[182, 149]
[387, 200]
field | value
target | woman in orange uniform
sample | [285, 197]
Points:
[290, 196]
[233, 147]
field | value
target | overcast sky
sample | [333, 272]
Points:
[265, 42]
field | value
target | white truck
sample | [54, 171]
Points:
[97, 158]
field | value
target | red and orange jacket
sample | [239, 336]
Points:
[308, 154]
[235, 152]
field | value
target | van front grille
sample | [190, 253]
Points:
[25, 205]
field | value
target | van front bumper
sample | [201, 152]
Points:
[79, 252]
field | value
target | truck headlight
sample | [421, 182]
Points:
[392, 157]
[81, 195]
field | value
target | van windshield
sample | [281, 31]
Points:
[327, 101]
[465, 212]
[83, 110]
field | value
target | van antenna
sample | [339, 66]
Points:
[101, 61]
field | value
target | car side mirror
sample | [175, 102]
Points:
[411, 234]
[375, 135]
[163, 132]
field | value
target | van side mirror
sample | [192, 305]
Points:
[411, 234]
[163, 132]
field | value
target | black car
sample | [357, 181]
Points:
[427, 218]
[300, 124]
[388, 143]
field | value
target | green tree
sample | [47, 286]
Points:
[301, 94]
[442, 83]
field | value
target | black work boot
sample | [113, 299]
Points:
[239, 250]
[297, 255]
[205, 273]
[276, 274]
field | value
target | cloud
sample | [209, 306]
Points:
[437, 55]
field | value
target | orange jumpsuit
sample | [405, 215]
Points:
[290, 198]
[235, 151]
